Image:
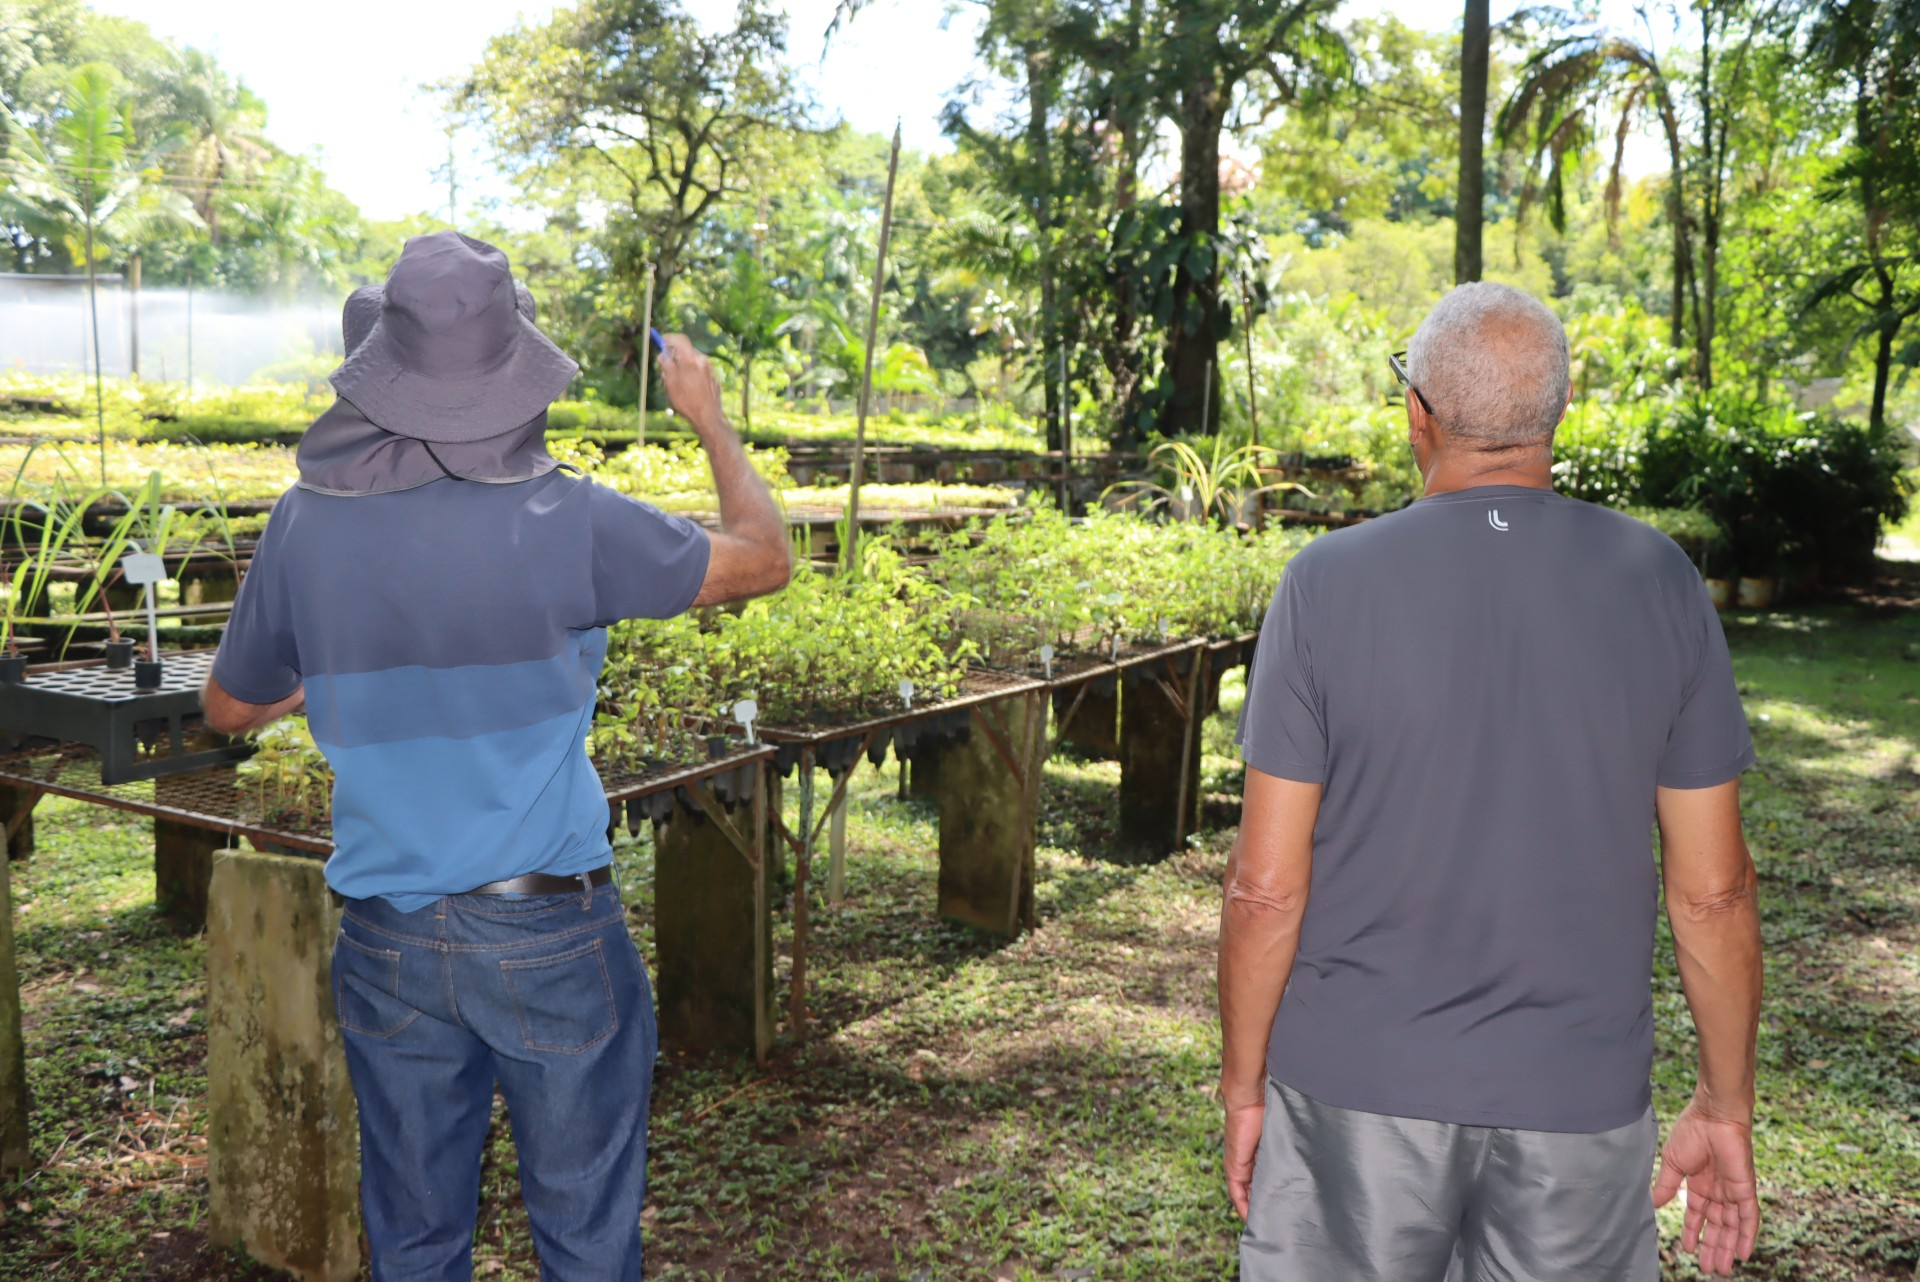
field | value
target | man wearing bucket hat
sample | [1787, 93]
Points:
[437, 589]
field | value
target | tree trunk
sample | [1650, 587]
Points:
[1040, 162]
[1882, 372]
[1873, 218]
[746, 393]
[1191, 339]
[1469, 207]
[1709, 211]
[1124, 358]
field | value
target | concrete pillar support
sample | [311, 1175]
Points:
[1093, 729]
[283, 1144]
[13, 1046]
[16, 814]
[989, 785]
[1159, 759]
[713, 924]
[182, 870]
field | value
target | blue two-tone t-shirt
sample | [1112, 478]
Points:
[450, 640]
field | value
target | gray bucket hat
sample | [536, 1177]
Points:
[452, 357]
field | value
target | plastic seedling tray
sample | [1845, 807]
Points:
[103, 709]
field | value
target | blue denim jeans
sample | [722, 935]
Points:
[544, 994]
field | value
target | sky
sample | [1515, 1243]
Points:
[350, 90]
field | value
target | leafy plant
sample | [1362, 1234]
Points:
[1200, 486]
[830, 647]
[288, 779]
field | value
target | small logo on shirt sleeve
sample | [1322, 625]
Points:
[1493, 519]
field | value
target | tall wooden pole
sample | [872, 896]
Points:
[1253, 408]
[1066, 438]
[866, 373]
[646, 351]
[93, 310]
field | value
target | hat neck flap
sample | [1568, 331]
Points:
[345, 453]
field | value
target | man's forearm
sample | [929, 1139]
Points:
[747, 508]
[229, 715]
[1259, 935]
[1717, 944]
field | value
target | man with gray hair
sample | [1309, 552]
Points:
[1437, 938]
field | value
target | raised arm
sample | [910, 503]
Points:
[749, 555]
[1713, 905]
[1265, 899]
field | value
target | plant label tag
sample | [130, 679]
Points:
[744, 712]
[906, 693]
[143, 568]
[1163, 632]
[1046, 660]
[1116, 647]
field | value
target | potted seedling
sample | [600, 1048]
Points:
[146, 570]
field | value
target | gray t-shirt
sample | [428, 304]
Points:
[1489, 685]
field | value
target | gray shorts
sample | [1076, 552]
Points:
[1345, 1196]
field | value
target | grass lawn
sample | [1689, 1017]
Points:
[1041, 1110]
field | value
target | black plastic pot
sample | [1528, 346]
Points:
[13, 668]
[146, 674]
[119, 653]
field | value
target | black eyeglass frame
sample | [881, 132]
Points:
[1397, 361]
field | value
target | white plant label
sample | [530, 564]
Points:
[745, 712]
[1046, 660]
[143, 568]
[1163, 632]
[906, 693]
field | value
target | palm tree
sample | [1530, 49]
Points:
[83, 185]
[224, 134]
[744, 306]
[1563, 89]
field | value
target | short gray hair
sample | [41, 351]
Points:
[1492, 363]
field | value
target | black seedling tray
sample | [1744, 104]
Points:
[101, 708]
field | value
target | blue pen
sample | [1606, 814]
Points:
[659, 343]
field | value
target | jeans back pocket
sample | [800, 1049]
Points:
[366, 989]
[565, 1002]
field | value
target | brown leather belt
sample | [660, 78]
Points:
[545, 883]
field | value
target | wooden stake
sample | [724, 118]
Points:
[1066, 439]
[646, 351]
[866, 375]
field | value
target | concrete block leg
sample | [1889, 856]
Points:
[16, 813]
[182, 870]
[13, 1047]
[1158, 806]
[1093, 731]
[923, 777]
[713, 925]
[283, 1144]
[988, 792]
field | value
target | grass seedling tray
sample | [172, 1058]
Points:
[139, 734]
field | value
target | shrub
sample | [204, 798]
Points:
[1795, 492]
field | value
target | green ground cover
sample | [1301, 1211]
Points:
[1041, 1110]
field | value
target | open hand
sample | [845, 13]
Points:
[1713, 1155]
